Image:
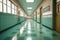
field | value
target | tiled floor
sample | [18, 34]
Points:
[31, 31]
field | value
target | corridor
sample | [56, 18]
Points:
[29, 19]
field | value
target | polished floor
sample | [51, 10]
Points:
[29, 30]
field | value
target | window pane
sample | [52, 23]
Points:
[12, 11]
[9, 9]
[0, 0]
[4, 1]
[15, 12]
[13, 6]
[4, 8]
[8, 3]
[0, 7]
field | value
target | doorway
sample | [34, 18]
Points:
[40, 19]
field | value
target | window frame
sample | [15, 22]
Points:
[5, 10]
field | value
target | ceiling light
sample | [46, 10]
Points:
[29, 11]
[29, 0]
[29, 8]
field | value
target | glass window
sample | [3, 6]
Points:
[15, 12]
[4, 8]
[13, 6]
[8, 3]
[0, 7]
[9, 9]
[0, 0]
[4, 1]
[12, 11]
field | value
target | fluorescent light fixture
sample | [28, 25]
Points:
[29, 28]
[29, 11]
[29, 7]
[29, 0]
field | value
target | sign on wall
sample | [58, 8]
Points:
[46, 9]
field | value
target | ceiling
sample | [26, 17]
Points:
[25, 5]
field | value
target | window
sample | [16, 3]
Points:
[7, 7]
[0, 0]
[4, 8]
[8, 3]
[0, 6]
[15, 10]
[12, 11]
[13, 6]
[4, 1]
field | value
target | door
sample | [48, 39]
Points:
[40, 19]
[58, 16]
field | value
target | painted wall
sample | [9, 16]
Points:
[8, 20]
[46, 16]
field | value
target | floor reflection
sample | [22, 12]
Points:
[31, 31]
[29, 38]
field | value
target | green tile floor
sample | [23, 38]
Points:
[30, 30]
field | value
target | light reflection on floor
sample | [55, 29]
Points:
[22, 29]
[31, 31]
[15, 37]
[28, 38]
[29, 28]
